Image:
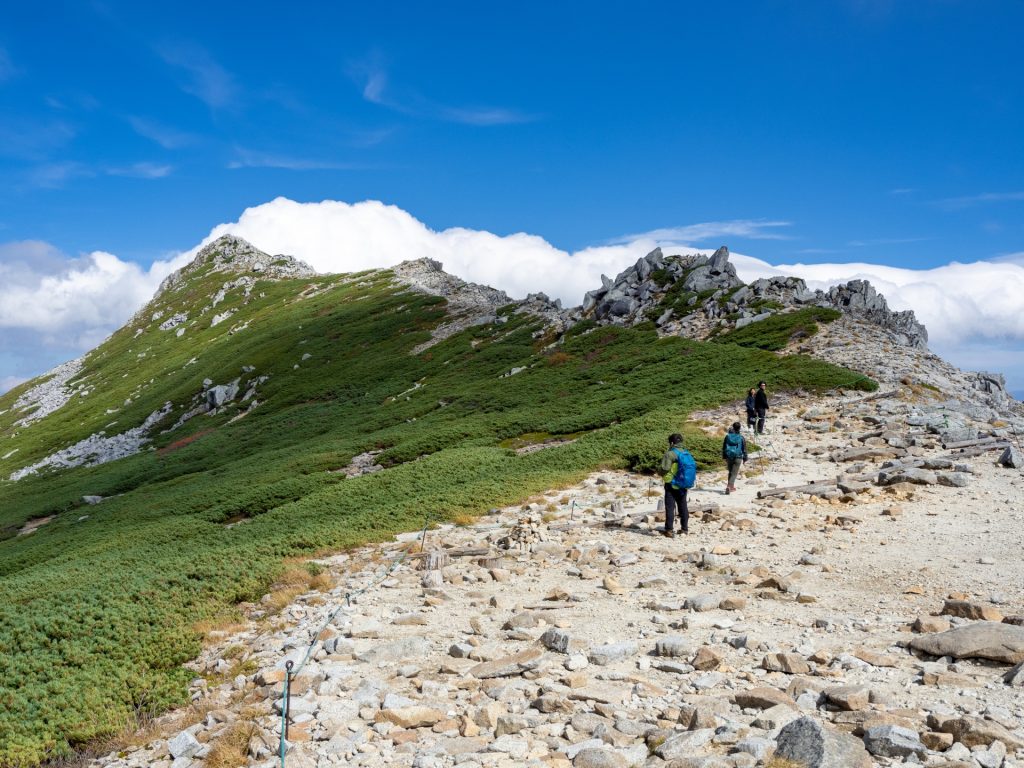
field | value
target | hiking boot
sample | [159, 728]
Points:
[669, 534]
[728, 491]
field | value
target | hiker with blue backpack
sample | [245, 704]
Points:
[680, 475]
[734, 451]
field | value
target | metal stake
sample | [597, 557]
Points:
[287, 695]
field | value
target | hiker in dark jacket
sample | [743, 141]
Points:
[751, 409]
[734, 451]
[675, 493]
[761, 406]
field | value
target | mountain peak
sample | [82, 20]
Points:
[230, 253]
[428, 276]
[700, 296]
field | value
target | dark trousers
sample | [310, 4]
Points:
[676, 497]
[751, 419]
[734, 470]
[762, 413]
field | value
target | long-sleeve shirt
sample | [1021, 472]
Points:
[761, 400]
[669, 465]
[750, 405]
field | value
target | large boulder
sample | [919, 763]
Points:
[1011, 458]
[982, 640]
[810, 744]
[509, 666]
[893, 741]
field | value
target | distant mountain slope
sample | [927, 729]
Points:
[172, 469]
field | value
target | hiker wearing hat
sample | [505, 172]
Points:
[680, 472]
[734, 451]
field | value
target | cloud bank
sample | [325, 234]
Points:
[51, 303]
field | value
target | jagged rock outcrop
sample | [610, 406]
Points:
[471, 303]
[428, 276]
[693, 295]
[232, 254]
[859, 297]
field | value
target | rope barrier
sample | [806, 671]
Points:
[292, 671]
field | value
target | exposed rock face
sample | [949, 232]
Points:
[98, 448]
[428, 276]
[471, 304]
[636, 295]
[858, 297]
[233, 254]
[49, 395]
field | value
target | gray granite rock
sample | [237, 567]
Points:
[893, 741]
[612, 652]
[809, 743]
[979, 640]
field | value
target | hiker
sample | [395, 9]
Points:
[751, 409]
[734, 451]
[761, 406]
[680, 475]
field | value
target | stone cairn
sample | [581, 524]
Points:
[525, 534]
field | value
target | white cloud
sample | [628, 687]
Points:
[142, 170]
[56, 175]
[207, 80]
[249, 158]
[74, 298]
[334, 236]
[8, 383]
[54, 307]
[372, 76]
[166, 136]
[1013, 258]
[74, 302]
[968, 201]
[957, 302]
[750, 229]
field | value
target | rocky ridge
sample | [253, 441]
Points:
[232, 254]
[798, 621]
[709, 296]
[470, 304]
[694, 295]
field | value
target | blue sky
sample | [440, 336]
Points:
[851, 131]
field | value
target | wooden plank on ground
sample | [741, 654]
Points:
[815, 489]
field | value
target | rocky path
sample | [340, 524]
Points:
[571, 632]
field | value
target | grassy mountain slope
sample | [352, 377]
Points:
[98, 607]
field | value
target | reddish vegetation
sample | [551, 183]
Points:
[172, 447]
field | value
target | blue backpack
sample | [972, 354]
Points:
[734, 445]
[686, 470]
